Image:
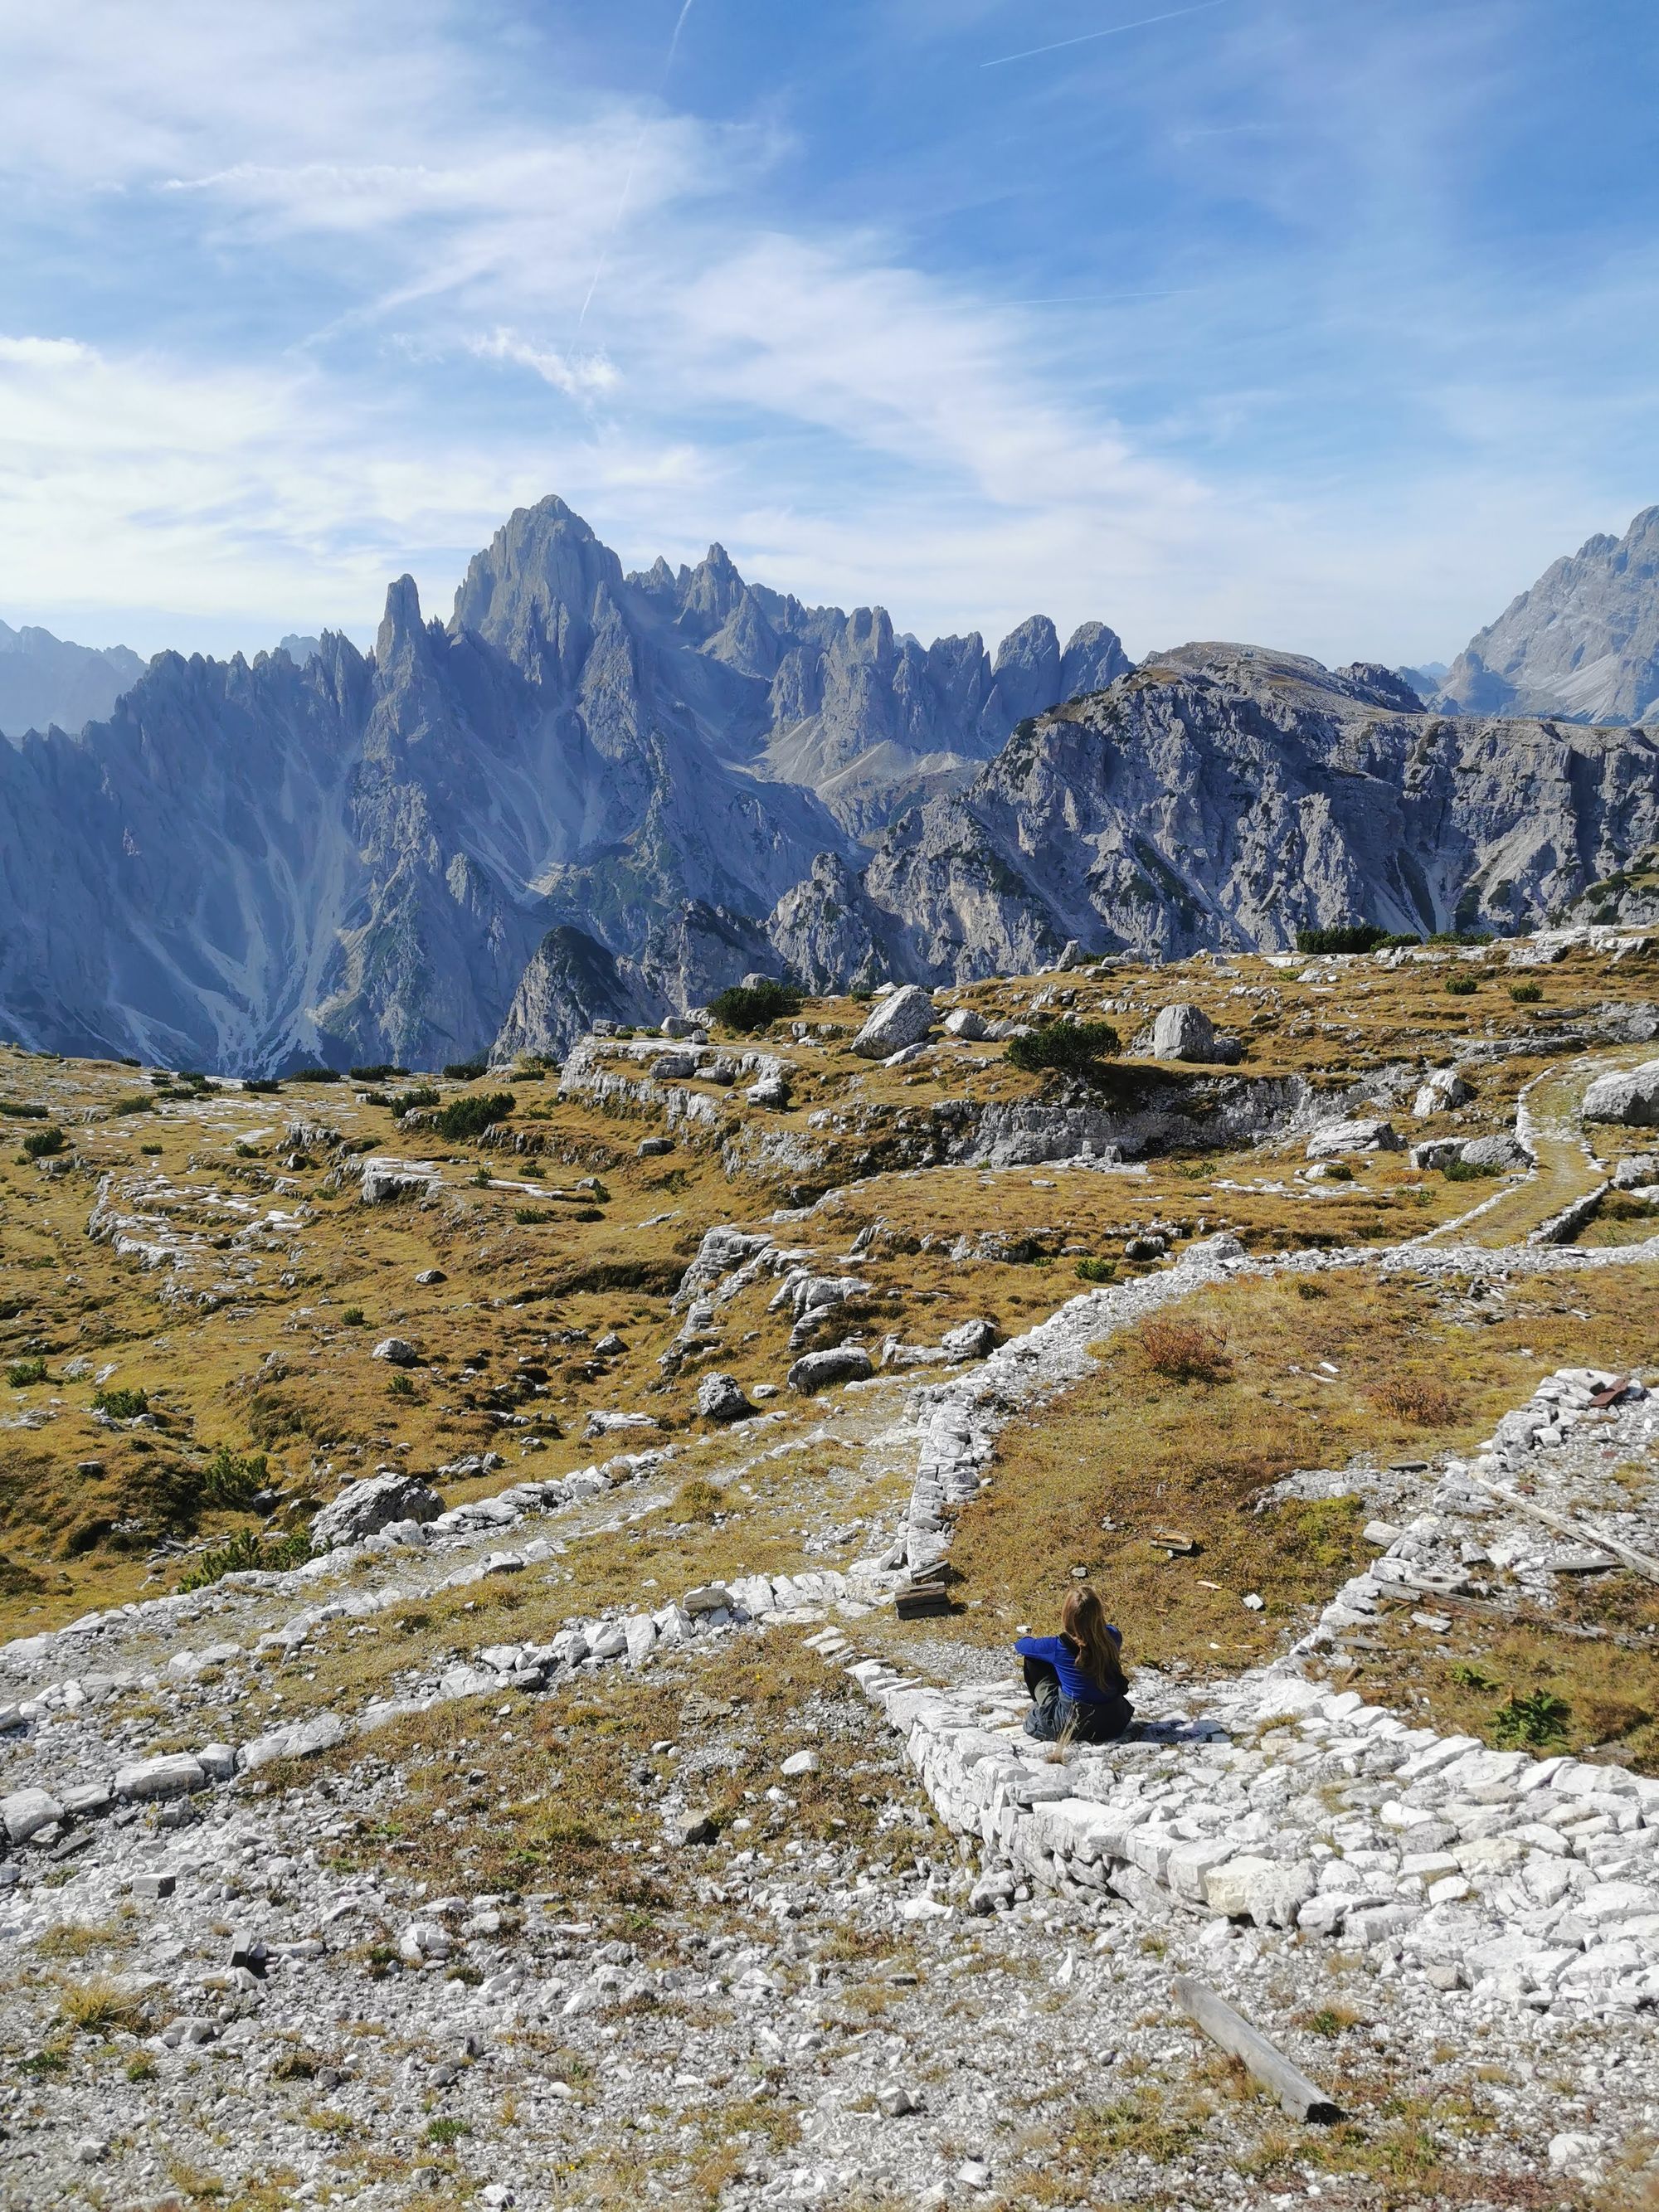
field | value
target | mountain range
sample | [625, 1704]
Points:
[46, 679]
[591, 792]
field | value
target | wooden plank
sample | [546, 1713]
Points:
[1582, 1532]
[1303, 2098]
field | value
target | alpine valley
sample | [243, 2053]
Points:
[592, 795]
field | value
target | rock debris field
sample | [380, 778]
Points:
[480, 1859]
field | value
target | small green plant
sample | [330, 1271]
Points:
[316, 1075]
[401, 1387]
[1339, 1171]
[466, 1071]
[121, 1405]
[150, 1151]
[352, 1318]
[1537, 1719]
[1460, 987]
[746, 1007]
[141, 2068]
[247, 1152]
[481, 1177]
[530, 1217]
[1526, 994]
[41, 1143]
[1456, 1170]
[1096, 1271]
[446, 2131]
[261, 1085]
[136, 1101]
[1472, 1677]
[588, 1213]
[471, 1116]
[1070, 1047]
[22, 1372]
[246, 1552]
[232, 1480]
[1306, 1289]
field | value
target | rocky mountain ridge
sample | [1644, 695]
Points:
[1581, 644]
[591, 793]
[46, 680]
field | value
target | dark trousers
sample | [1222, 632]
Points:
[1054, 1714]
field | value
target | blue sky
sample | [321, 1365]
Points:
[1324, 323]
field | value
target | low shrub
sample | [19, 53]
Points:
[698, 1500]
[243, 1553]
[353, 1317]
[1070, 1047]
[150, 1151]
[401, 1387]
[121, 1405]
[136, 1101]
[1424, 1404]
[316, 1075]
[1526, 994]
[410, 1101]
[232, 1480]
[1184, 1351]
[466, 1071]
[472, 1115]
[382, 1071]
[17, 1109]
[530, 1217]
[22, 1372]
[1456, 1170]
[1346, 936]
[1096, 1271]
[1339, 1171]
[41, 1143]
[264, 1086]
[1460, 987]
[747, 1008]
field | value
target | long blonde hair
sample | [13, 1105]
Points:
[1083, 1623]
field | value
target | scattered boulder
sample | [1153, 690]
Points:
[903, 1019]
[611, 1424]
[1631, 1174]
[970, 1339]
[1440, 1092]
[721, 1398]
[842, 1363]
[1495, 1154]
[26, 1812]
[800, 1763]
[385, 1180]
[365, 1508]
[1331, 1139]
[430, 1276]
[173, 1775]
[771, 1091]
[397, 1349]
[1183, 1032]
[1436, 1152]
[1631, 1097]
[962, 1021]
[653, 1148]
[674, 1066]
[687, 1828]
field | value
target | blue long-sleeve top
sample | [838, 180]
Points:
[1062, 1654]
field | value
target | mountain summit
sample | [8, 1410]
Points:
[1581, 644]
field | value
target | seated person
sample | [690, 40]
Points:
[1076, 1679]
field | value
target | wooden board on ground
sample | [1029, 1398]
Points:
[1303, 2098]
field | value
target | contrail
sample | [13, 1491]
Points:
[686, 7]
[1087, 37]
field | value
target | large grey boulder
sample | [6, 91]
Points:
[1183, 1032]
[174, 1774]
[1631, 1174]
[367, 1507]
[1439, 1093]
[903, 1019]
[964, 1023]
[842, 1362]
[1497, 1155]
[396, 1351]
[1332, 1139]
[1631, 1097]
[719, 1398]
[970, 1339]
[26, 1812]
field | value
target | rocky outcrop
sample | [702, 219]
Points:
[1581, 644]
[1221, 796]
[1631, 1099]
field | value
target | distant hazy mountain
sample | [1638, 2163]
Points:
[302, 649]
[357, 856]
[1581, 644]
[589, 793]
[44, 679]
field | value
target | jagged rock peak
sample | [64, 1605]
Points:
[1583, 644]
